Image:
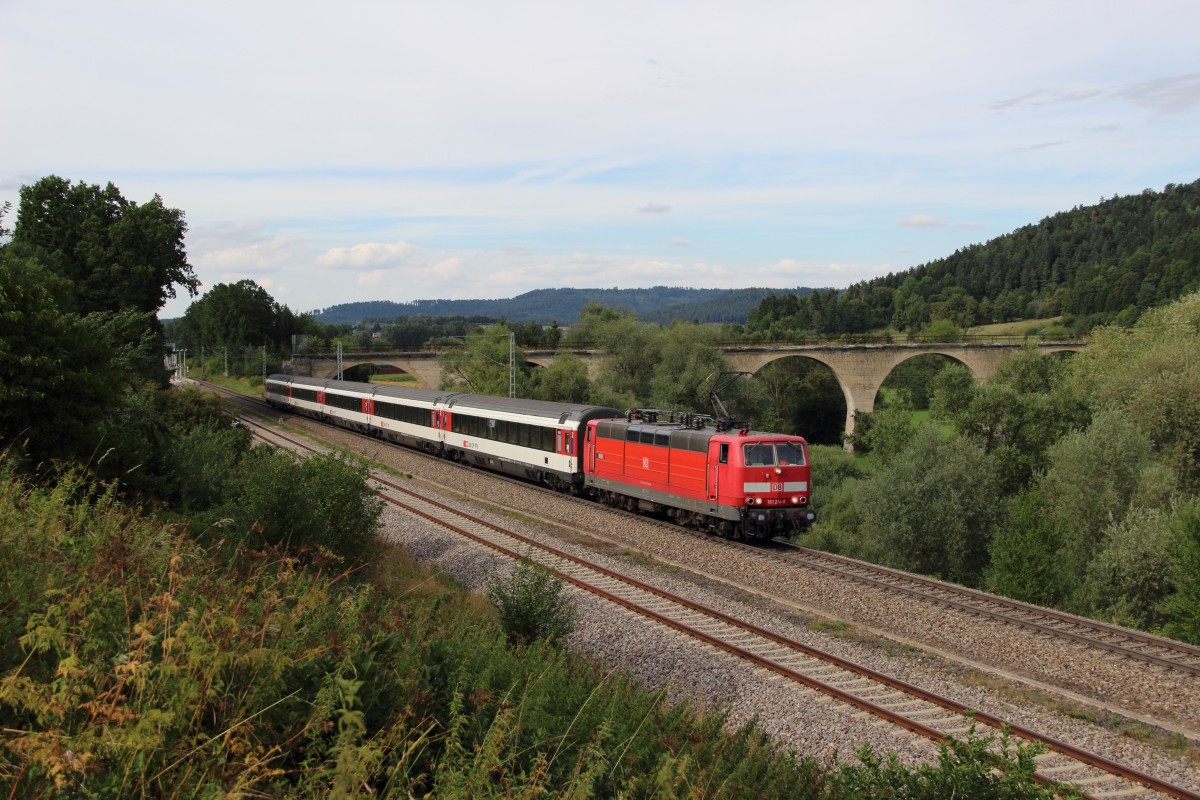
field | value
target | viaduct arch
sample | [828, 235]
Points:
[860, 369]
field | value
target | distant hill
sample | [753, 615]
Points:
[1093, 265]
[660, 304]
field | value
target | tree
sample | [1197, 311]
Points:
[233, 315]
[632, 355]
[116, 254]
[1016, 415]
[887, 432]
[687, 370]
[932, 509]
[564, 381]
[60, 375]
[1130, 577]
[1025, 554]
[1150, 373]
[1181, 609]
[480, 364]
[1090, 482]
[112, 256]
[942, 330]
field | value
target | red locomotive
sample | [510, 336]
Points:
[738, 483]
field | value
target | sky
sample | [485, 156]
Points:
[399, 150]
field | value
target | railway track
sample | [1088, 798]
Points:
[1112, 639]
[810, 669]
[1124, 642]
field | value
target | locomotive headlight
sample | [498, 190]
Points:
[778, 471]
[758, 501]
[795, 500]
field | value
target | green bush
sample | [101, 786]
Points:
[1182, 608]
[1026, 563]
[966, 769]
[531, 604]
[322, 502]
[135, 664]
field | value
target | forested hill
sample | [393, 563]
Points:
[658, 304]
[1095, 264]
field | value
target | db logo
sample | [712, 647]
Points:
[776, 487]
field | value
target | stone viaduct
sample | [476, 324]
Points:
[860, 369]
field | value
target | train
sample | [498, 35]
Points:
[702, 473]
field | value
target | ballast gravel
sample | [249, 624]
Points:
[921, 643]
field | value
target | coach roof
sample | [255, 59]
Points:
[532, 408]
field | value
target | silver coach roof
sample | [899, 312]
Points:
[532, 408]
[374, 389]
[459, 400]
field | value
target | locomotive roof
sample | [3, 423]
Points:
[683, 433]
[533, 408]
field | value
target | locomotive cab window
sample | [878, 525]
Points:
[724, 456]
[759, 455]
[789, 454]
[766, 454]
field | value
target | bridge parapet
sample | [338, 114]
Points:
[860, 366]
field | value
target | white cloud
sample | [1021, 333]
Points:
[369, 255]
[242, 249]
[372, 278]
[447, 270]
[654, 208]
[922, 221]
